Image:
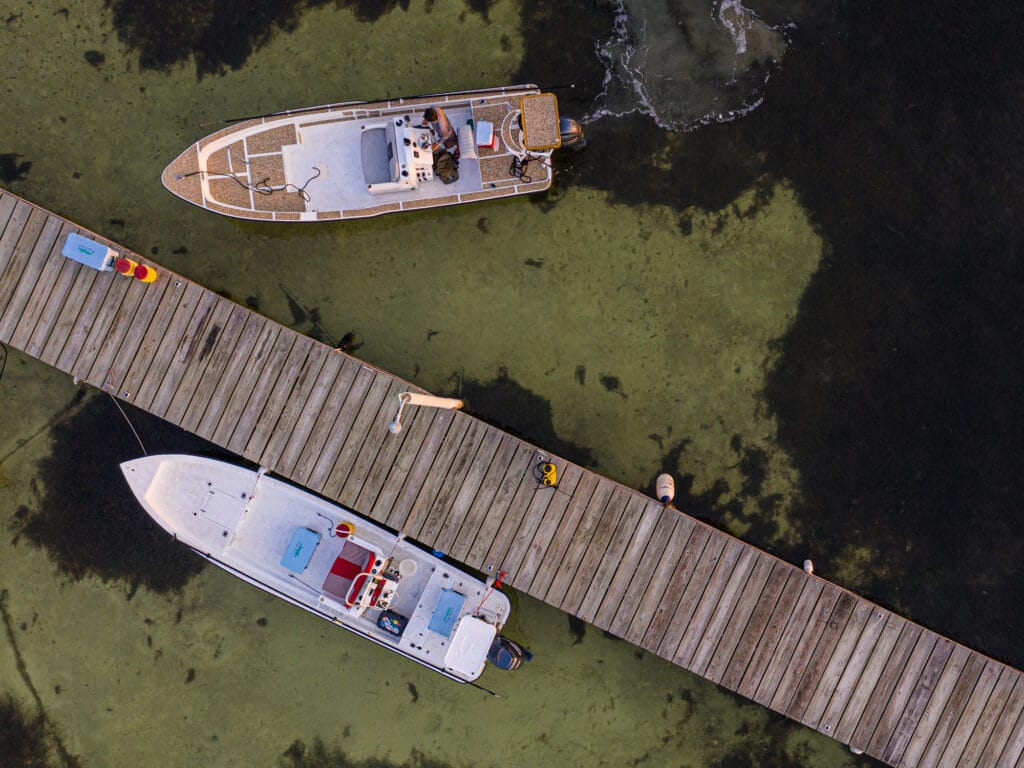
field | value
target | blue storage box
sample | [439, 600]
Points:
[89, 252]
[300, 549]
[446, 612]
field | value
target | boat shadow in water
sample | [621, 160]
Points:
[85, 516]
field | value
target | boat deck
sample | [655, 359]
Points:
[664, 581]
[307, 166]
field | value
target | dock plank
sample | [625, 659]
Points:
[968, 721]
[891, 717]
[201, 329]
[225, 390]
[778, 585]
[719, 554]
[593, 545]
[277, 373]
[373, 445]
[652, 517]
[56, 303]
[369, 429]
[317, 416]
[814, 601]
[984, 726]
[616, 620]
[7, 205]
[418, 450]
[863, 691]
[740, 617]
[626, 531]
[95, 330]
[392, 458]
[547, 501]
[871, 718]
[703, 636]
[933, 709]
[319, 456]
[516, 483]
[458, 513]
[808, 662]
[158, 343]
[16, 246]
[44, 249]
[20, 321]
[764, 649]
[658, 607]
[401, 488]
[444, 477]
[66, 315]
[998, 740]
[974, 669]
[553, 539]
[282, 404]
[915, 703]
[24, 260]
[113, 363]
[203, 360]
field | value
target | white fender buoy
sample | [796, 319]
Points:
[665, 487]
[808, 567]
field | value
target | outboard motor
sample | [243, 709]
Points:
[572, 133]
[507, 654]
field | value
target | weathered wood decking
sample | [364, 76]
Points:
[610, 555]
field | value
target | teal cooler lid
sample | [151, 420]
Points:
[88, 252]
[300, 549]
[446, 612]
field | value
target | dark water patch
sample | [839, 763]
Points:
[483, 225]
[897, 387]
[190, 675]
[414, 693]
[222, 34]
[23, 736]
[11, 170]
[581, 375]
[537, 263]
[253, 302]
[577, 629]
[319, 755]
[505, 404]
[85, 516]
[612, 384]
[95, 58]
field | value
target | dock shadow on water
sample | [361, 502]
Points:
[84, 514]
[505, 403]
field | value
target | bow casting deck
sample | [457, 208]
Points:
[610, 555]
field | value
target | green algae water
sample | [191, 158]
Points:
[747, 304]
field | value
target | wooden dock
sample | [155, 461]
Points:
[610, 555]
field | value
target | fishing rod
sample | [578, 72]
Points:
[485, 690]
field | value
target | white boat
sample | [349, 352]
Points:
[359, 159]
[329, 561]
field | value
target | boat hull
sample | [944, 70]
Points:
[324, 559]
[317, 164]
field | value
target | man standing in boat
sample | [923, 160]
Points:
[438, 122]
